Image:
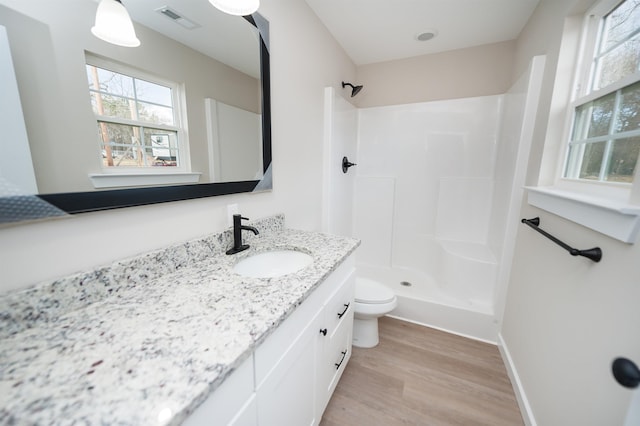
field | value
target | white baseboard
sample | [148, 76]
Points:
[446, 330]
[523, 402]
[463, 322]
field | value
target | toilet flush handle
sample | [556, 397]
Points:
[346, 307]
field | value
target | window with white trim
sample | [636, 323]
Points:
[604, 141]
[138, 120]
[598, 183]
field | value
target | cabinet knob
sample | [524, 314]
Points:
[323, 331]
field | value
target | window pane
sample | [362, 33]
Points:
[163, 147]
[581, 122]
[629, 113]
[154, 93]
[621, 23]
[622, 164]
[112, 106]
[155, 114]
[121, 146]
[109, 81]
[619, 63]
[573, 161]
[592, 161]
[595, 116]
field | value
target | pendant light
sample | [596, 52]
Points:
[236, 7]
[113, 24]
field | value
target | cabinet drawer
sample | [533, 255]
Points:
[340, 306]
[340, 344]
[336, 354]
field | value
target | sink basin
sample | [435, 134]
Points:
[274, 263]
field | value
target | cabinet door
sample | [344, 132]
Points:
[230, 404]
[248, 415]
[287, 395]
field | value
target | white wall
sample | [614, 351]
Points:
[463, 73]
[15, 160]
[567, 318]
[304, 60]
[234, 137]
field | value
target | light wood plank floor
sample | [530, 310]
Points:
[422, 376]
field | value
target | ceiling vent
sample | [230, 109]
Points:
[177, 17]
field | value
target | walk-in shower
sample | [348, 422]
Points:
[423, 204]
[435, 202]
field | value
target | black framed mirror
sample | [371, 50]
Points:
[111, 198]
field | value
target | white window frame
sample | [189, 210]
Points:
[113, 177]
[585, 79]
[611, 208]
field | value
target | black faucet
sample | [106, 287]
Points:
[237, 234]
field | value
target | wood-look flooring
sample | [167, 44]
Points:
[422, 376]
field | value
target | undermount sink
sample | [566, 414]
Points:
[274, 263]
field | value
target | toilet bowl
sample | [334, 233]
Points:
[372, 300]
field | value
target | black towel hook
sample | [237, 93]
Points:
[594, 254]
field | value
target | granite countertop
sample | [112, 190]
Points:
[147, 348]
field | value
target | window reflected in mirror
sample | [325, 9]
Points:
[137, 123]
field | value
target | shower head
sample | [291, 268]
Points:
[354, 89]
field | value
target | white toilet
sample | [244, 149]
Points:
[372, 300]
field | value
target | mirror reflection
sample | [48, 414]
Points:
[183, 108]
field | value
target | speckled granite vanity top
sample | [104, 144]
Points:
[122, 343]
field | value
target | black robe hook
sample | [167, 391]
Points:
[346, 164]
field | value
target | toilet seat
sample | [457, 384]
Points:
[372, 292]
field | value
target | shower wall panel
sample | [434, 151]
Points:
[420, 145]
[374, 201]
[464, 208]
[340, 140]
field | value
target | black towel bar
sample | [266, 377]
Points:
[594, 254]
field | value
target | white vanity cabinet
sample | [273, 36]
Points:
[295, 370]
[298, 365]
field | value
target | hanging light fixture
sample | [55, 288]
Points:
[236, 7]
[113, 24]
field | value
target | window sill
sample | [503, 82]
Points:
[613, 218]
[104, 180]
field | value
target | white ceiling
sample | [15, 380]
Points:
[229, 39]
[382, 30]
